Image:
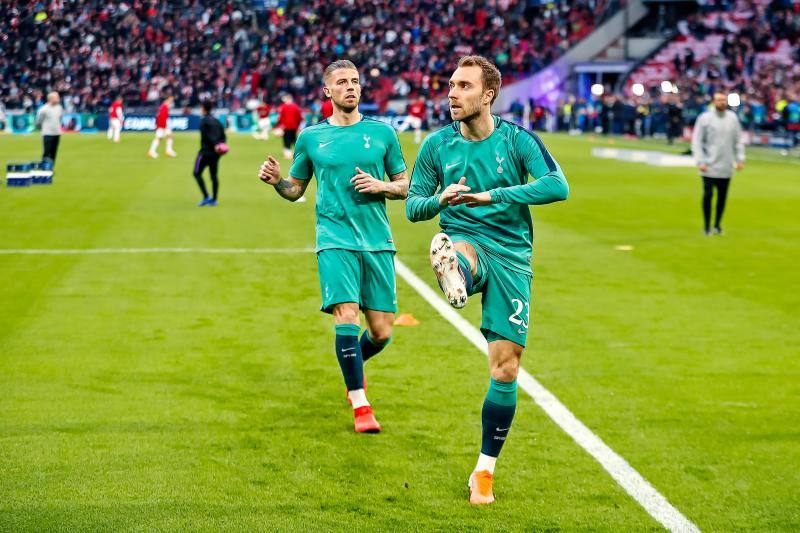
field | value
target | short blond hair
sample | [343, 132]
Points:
[490, 75]
[336, 65]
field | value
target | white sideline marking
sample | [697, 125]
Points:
[93, 251]
[629, 479]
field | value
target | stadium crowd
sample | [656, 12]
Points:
[226, 51]
[768, 84]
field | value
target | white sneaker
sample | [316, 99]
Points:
[171, 154]
[445, 266]
[152, 154]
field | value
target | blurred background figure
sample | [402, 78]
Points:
[212, 147]
[48, 118]
[264, 122]
[290, 116]
[163, 129]
[416, 114]
[116, 119]
[718, 148]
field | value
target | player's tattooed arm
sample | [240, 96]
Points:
[270, 173]
[291, 189]
[395, 189]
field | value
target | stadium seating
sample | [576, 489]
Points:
[230, 52]
[746, 47]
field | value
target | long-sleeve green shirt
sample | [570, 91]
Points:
[500, 164]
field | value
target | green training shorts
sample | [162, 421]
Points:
[366, 278]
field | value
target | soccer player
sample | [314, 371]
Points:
[162, 129]
[289, 118]
[349, 154]
[416, 113]
[718, 148]
[212, 136]
[115, 119]
[479, 165]
[264, 123]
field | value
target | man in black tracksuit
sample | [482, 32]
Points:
[211, 135]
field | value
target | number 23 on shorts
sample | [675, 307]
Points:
[517, 317]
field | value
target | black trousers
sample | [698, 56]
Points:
[721, 185]
[205, 159]
[50, 143]
[289, 137]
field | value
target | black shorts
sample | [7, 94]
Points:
[289, 137]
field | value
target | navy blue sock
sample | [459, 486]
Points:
[466, 271]
[348, 352]
[369, 347]
[497, 414]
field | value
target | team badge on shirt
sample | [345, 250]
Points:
[366, 141]
[499, 163]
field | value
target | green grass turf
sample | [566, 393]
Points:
[201, 392]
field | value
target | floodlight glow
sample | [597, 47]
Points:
[666, 86]
[734, 100]
[638, 89]
[597, 89]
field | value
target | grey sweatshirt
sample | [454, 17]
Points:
[717, 142]
[49, 119]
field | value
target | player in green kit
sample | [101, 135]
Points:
[349, 154]
[474, 175]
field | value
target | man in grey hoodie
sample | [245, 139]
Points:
[718, 148]
[48, 118]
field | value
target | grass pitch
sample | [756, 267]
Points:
[200, 391]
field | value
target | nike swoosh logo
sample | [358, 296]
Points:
[451, 165]
[520, 331]
[323, 145]
[498, 429]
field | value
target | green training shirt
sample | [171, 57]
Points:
[346, 218]
[500, 164]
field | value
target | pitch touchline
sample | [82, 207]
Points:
[96, 251]
[629, 479]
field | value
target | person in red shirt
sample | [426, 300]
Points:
[115, 119]
[289, 118]
[162, 129]
[416, 114]
[327, 108]
[264, 123]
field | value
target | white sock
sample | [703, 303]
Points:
[358, 397]
[169, 144]
[154, 145]
[486, 462]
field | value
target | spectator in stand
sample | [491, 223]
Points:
[228, 51]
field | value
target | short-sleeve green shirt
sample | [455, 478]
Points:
[346, 218]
